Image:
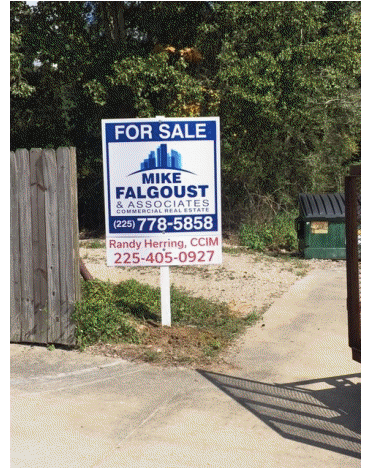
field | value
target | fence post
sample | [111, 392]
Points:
[67, 242]
[75, 227]
[352, 194]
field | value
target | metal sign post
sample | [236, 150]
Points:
[162, 194]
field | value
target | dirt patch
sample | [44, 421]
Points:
[175, 346]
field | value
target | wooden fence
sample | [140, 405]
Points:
[44, 264]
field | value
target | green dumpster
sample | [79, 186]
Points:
[321, 226]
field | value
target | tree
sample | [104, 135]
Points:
[283, 76]
[18, 85]
[53, 53]
[288, 77]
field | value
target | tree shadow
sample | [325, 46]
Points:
[325, 413]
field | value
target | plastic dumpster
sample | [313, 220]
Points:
[321, 227]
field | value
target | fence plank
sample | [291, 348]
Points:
[75, 233]
[67, 280]
[15, 292]
[41, 193]
[52, 245]
[38, 246]
[27, 302]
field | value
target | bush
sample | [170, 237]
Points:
[280, 233]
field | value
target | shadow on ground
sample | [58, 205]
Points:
[325, 413]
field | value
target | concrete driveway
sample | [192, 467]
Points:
[293, 400]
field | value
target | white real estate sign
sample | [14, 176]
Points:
[162, 191]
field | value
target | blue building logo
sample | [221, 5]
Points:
[161, 159]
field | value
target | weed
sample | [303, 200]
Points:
[95, 244]
[233, 250]
[151, 356]
[255, 316]
[294, 265]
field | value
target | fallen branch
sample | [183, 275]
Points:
[86, 275]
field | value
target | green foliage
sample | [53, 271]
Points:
[289, 96]
[280, 233]
[18, 86]
[98, 319]
[284, 77]
[95, 244]
[158, 88]
[145, 302]
[200, 312]
[113, 312]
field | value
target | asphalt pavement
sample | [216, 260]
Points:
[292, 400]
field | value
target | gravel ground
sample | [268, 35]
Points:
[245, 280]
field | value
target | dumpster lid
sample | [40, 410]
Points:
[322, 206]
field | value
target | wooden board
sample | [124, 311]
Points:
[38, 246]
[15, 287]
[52, 245]
[26, 261]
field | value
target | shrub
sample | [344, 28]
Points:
[277, 234]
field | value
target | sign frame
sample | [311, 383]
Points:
[170, 166]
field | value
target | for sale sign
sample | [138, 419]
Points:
[162, 191]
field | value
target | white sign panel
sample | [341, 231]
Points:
[162, 191]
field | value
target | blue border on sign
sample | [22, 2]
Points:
[188, 135]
